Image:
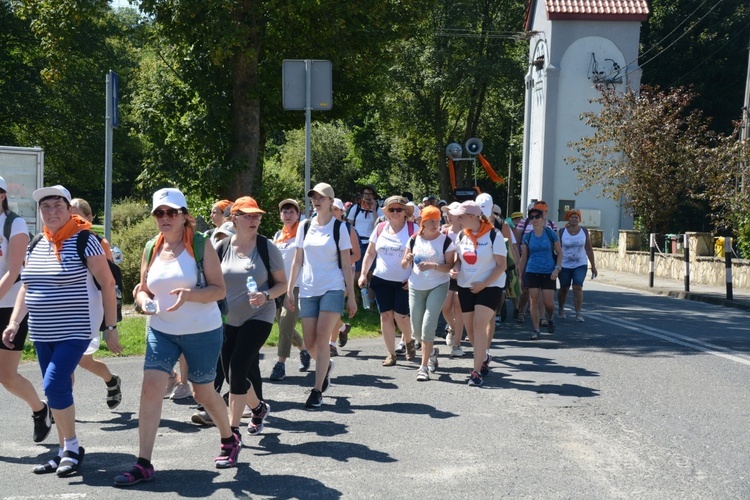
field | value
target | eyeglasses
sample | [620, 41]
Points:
[248, 216]
[397, 210]
[170, 212]
[535, 217]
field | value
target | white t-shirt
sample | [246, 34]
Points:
[191, 317]
[363, 220]
[477, 265]
[429, 251]
[320, 269]
[287, 248]
[17, 227]
[390, 250]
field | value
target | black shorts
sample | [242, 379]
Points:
[23, 329]
[390, 296]
[489, 297]
[538, 280]
[453, 285]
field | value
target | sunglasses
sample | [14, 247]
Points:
[535, 217]
[248, 216]
[397, 210]
[170, 212]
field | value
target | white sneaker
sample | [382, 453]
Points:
[423, 374]
[202, 418]
[457, 352]
[401, 348]
[433, 361]
[449, 338]
[181, 391]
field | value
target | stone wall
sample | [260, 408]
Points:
[704, 268]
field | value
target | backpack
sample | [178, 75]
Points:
[81, 241]
[199, 243]
[336, 232]
[262, 245]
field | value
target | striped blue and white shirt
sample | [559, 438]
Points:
[63, 301]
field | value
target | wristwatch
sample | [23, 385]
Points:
[267, 295]
[111, 327]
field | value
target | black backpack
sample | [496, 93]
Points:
[81, 240]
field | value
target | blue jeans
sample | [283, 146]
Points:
[426, 306]
[201, 352]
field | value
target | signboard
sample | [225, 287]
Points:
[23, 171]
[294, 81]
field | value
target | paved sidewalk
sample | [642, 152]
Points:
[676, 288]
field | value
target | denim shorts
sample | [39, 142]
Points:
[201, 352]
[331, 301]
[574, 274]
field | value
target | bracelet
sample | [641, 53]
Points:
[559, 268]
[14, 323]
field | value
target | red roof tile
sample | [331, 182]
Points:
[594, 7]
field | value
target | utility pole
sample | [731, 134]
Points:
[745, 130]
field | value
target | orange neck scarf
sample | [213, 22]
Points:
[187, 239]
[485, 228]
[73, 226]
[288, 235]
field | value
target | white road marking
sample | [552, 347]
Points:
[675, 338]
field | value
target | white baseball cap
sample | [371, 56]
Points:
[44, 192]
[3, 185]
[338, 203]
[417, 211]
[484, 201]
[171, 197]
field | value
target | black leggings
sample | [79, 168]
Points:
[240, 355]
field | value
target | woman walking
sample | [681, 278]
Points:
[284, 240]
[452, 307]
[539, 268]
[12, 252]
[576, 249]
[251, 315]
[82, 208]
[430, 254]
[323, 258]
[184, 319]
[65, 312]
[387, 248]
[480, 272]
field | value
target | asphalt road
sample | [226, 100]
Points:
[648, 398]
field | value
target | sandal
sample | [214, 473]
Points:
[114, 393]
[521, 318]
[70, 462]
[49, 467]
[136, 475]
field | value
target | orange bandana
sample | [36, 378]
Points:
[187, 239]
[485, 228]
[288, 235]
[72, 227]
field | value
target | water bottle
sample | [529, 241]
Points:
[365, 298]
[417, 260]
[150, 306]
[252, 287]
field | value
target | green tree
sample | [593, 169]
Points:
[647, 150]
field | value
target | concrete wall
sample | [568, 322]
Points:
[704, 269]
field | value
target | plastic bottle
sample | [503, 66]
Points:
[150, 306]
[417, 260]
[252, 287]
[365, 298]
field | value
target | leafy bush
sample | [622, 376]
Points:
[128, 213]
[743, 239]
[131, 240]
